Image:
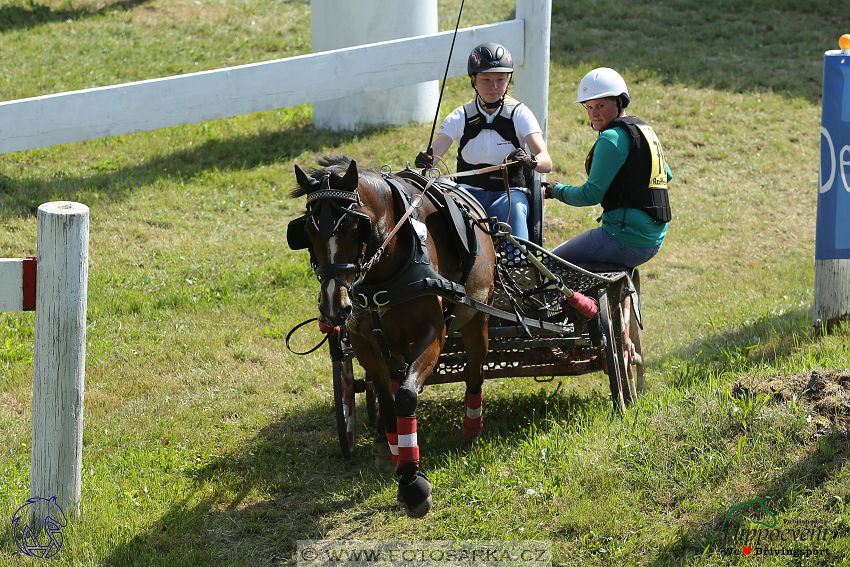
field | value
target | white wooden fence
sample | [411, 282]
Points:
[55, 284]
[159, 103]
[62, 261]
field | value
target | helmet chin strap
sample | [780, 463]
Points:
[492, 105]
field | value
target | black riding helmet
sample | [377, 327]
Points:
[489, 58]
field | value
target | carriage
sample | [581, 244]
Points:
[538, 334]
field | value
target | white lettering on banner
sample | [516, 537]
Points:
[842, 162]
[824, 187]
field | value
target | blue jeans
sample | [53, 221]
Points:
[496, 205]
[595, 246]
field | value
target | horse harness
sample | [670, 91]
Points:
[417, 276]
[327, 209]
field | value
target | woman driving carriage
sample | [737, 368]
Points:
[627, 174]
[489, 128]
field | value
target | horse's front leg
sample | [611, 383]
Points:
[369, 357]
[426, 343]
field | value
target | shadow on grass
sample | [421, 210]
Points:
[113, 183]
[764, 340]
[291, 483]
[737, 45]
[35, 14]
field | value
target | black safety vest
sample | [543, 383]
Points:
[503, 124]
[641, 182]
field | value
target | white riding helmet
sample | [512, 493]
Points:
[601, 83]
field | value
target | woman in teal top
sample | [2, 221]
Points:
[627, 174]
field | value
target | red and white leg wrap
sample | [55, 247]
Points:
[474, 418]
[408, 448]
[392, 441]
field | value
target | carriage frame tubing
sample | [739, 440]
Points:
[609, 342]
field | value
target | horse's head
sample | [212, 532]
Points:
[337, 229]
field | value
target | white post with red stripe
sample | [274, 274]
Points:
[55, 284]
[17, 282]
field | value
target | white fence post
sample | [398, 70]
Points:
[337, 25]
[532, 77]
[60, 352]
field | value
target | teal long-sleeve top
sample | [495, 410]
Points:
[632, 227]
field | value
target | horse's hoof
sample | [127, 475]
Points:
[415, 497]
[383, 457]
[468, 445]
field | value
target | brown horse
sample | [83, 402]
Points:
[394, 312]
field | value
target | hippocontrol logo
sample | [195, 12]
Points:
[35, 542]
[801, 538]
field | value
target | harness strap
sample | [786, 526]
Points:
[377, 256]
[478, 171]
[391, 362]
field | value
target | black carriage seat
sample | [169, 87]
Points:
[605, 268]
[535, 206]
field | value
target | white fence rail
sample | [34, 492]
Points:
[208, 95]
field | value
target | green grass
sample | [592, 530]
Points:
[207, 443]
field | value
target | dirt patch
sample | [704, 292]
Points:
[827, 392]
[824, 394]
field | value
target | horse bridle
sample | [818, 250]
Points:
[327, 214]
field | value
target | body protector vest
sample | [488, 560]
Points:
[641, 182]
[503, 124]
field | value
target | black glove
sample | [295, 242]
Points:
[527, 160]
[424, 160]
[547, 188]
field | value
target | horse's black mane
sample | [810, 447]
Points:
[336, 166]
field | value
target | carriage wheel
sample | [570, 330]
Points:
[632, 350]
[345, 407]
[637, 346]
[637, 357]
[613, 353]
[622, 317]
[632, 353]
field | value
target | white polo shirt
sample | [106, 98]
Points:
[489, 146]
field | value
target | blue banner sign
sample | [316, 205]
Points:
[833, 228]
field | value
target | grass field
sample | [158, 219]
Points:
[207, 443]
